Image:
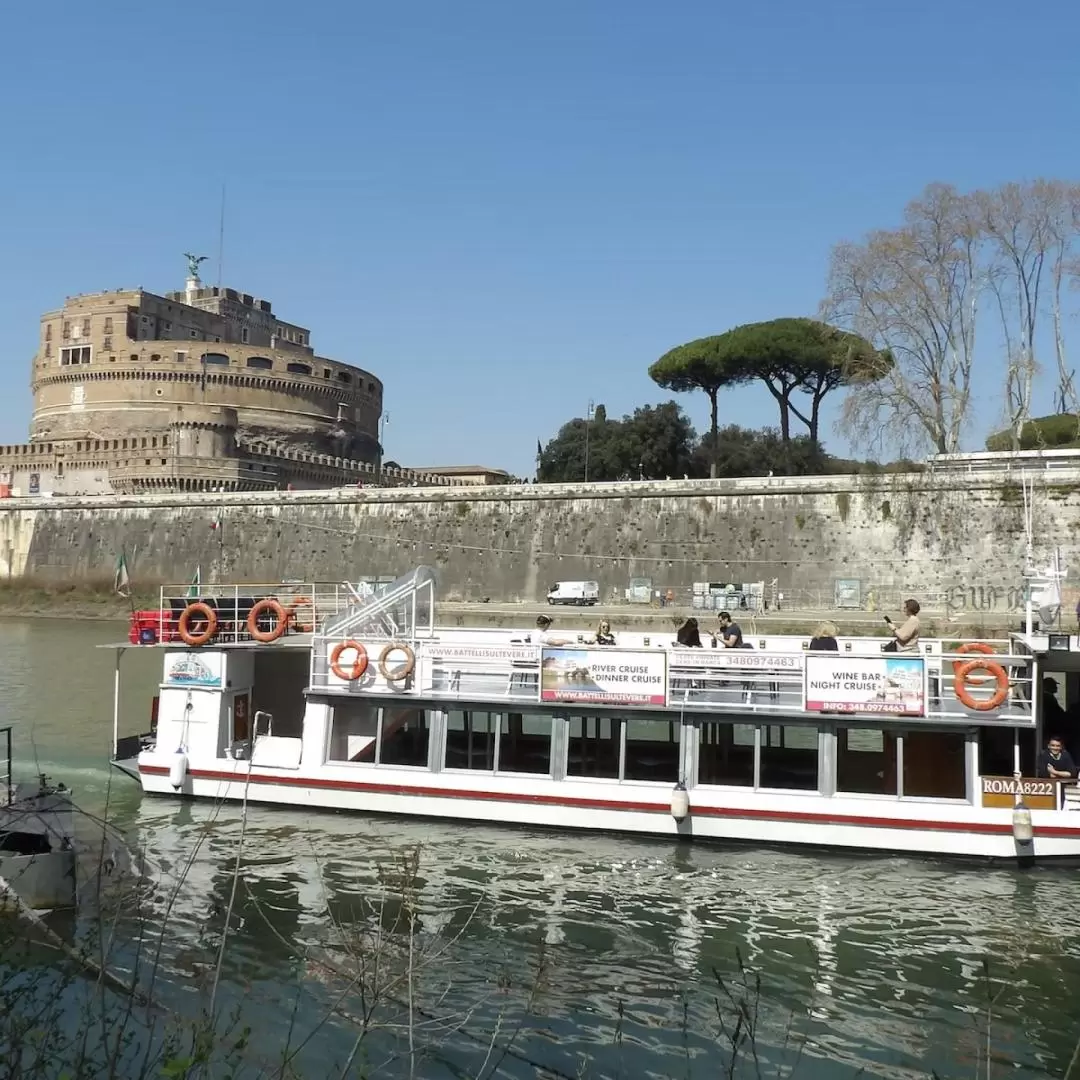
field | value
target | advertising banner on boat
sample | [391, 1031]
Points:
[890, 684]
[604, 676]
[735, 658]
[193, 669]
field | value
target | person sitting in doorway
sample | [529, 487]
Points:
[603, 635]
[824, 639]
[905, 636]
[730, 636]
[544, 636]
[1055, 762]
[688, 636]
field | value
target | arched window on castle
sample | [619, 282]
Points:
[298, 369]
[214, 358]
[262, 362]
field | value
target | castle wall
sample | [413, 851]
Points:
[952, 536]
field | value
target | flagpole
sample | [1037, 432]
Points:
[130, 589]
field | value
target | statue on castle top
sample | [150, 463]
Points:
[193, 263]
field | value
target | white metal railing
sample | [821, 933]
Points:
[308, 605]
[695, 679]
[403, 608]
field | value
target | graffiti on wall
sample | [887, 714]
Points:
[962, 599]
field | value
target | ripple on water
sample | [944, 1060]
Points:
[876, 961]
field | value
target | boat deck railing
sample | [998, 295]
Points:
[772, 682]
[307, 605]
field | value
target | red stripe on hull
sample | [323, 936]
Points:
[802, 817]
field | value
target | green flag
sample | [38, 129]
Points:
[196, 584]
[121, 581]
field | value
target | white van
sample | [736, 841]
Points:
[574, 592]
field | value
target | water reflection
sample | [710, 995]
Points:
[878, 960]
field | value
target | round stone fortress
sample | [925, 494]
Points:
[118, 364]
[115, 371]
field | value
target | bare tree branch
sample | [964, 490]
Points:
[913, 291]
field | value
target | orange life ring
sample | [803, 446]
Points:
[205, 612]
[971, 647]
[264, 607]
[992, 702]
[298, 602]
[359, 666]
[402, 672]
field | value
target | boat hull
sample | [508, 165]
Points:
[789, 819]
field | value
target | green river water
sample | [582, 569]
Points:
[585, 955]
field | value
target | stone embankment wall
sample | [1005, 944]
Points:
[955, 537]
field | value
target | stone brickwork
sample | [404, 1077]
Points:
[953, 538]
[112, 369]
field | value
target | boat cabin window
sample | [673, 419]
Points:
[652, 750]
[916, 764]
[789, 757]
[866, 761]
[354, 731]
[935, 764]
[595, 746]
[525, 743]
[362, 733]
[471, 740]
[726, 754]
[404, 737]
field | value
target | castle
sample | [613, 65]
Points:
[201, 390]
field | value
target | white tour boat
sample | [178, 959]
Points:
[321, 695]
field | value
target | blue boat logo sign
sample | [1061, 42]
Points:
[192, 671]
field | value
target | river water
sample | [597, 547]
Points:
[536, 953]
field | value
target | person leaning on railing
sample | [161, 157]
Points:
[905, 636]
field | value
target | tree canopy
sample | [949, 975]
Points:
[788, 356]
[654, 441]
[697, 365]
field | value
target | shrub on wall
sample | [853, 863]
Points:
[1041, 433]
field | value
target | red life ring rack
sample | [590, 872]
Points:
[359, 665]
[400, 673]
[267, 607]
[996, 671]
[205, 613]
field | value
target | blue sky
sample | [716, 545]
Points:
[504, 209]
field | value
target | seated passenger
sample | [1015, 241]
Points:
[688, 636]
[1055, 762]
[603, 635]
[730, 636]
[544, 636]
[824, 639]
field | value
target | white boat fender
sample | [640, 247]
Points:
[680, 802]
[178, 769]
[1023, 830]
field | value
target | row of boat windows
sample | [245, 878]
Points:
[917, 764]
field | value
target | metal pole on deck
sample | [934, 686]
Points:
[116, 703]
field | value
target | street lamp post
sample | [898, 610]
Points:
[588, 426]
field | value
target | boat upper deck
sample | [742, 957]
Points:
[383, 642]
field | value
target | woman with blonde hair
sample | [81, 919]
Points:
[824, 639]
